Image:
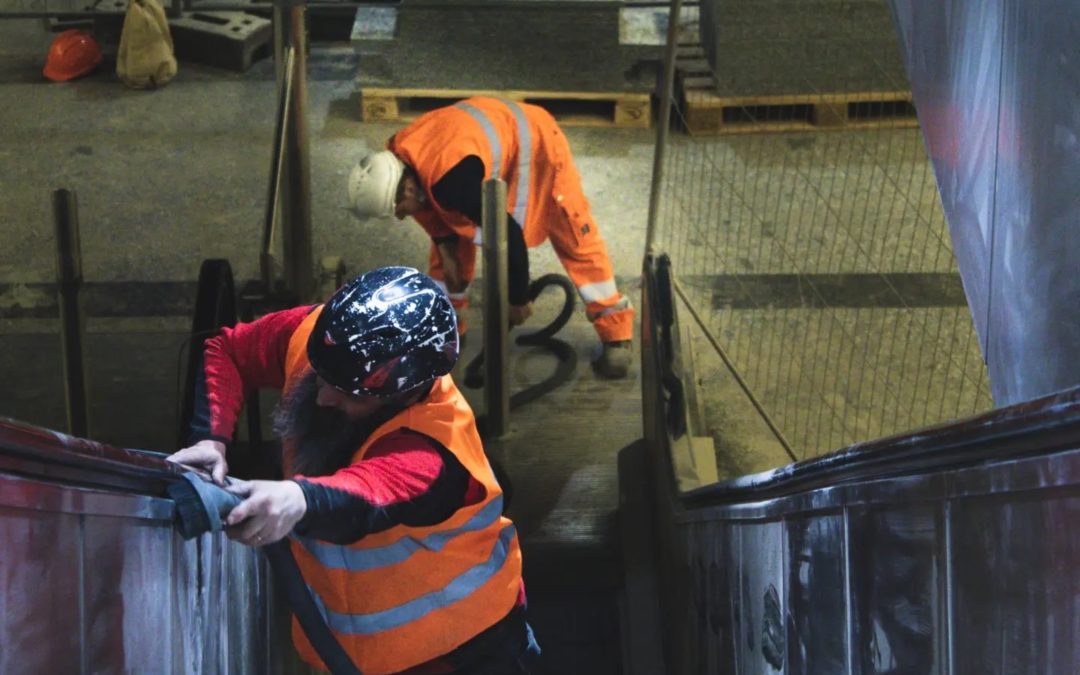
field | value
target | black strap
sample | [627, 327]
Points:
[287, 572]
[202, 507]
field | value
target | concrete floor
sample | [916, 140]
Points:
[168, 178]
[823, 264]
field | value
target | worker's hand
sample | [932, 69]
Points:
[520, 313]
[269, 512]
[207, 455]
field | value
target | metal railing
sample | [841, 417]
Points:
[96, 580]
[937, 551]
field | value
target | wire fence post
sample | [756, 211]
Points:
[496, 309]
[294, 164]
[664, 121]
[72, 319]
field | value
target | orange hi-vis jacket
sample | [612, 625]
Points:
[522, 145]
[519, 143]
[405, 596]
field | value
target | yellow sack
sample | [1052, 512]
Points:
[146, 57]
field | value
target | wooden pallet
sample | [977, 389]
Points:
[706, 112]
[583, 109]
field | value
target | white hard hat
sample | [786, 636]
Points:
[373, 185]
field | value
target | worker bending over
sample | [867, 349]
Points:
[392, 510]
[433, 171]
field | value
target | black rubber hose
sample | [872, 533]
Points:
[545, 337]
[202, 507]
[287, 572]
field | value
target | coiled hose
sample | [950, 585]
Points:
[545, 337]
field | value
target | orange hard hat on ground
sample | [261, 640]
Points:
[72, 54]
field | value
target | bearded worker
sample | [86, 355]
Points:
[390, 505]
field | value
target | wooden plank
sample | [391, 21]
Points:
[375, 108]
[707, 112]
[573, 108]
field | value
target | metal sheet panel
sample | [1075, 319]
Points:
[1035, 290]
[721, 570]
[97, 582]
[711, 553]
[817, 616]
[997, 86]
[40, 608]
[1017, 586]
[246, 594]
[897, 591]
[128, 595]
[951, 49]
[764, 599]
[691, 652]
[198, 606]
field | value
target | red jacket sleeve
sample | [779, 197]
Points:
[241, 359]
[406, 478]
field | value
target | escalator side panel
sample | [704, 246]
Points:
[1016, 570]
[96, 581]
[126, 594]
[761, 637]
[897, 590]
[947, 551]
[39, 604]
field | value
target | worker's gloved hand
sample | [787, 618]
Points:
[270, 510]
[207, 455]
[520, 313]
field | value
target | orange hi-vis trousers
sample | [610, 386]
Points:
[580, 248]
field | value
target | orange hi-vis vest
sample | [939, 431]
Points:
[399, 598]
[516, 142]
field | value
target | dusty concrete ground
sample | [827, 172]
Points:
[170, 177]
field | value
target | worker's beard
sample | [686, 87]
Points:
[324, 439]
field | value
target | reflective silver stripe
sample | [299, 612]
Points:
[458, 589]
[601, 290]
[521, 194]
[458, 296]
[478, 237]
[442, 285]
[524, 163]
[493, 138]
[362, 559]
[622, 304]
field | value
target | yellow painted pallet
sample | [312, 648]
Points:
[589, 109]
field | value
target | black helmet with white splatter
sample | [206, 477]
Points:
[386, 332]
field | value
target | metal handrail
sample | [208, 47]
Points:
[31, 450]
[1038, 427]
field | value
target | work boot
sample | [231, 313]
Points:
[614, 361]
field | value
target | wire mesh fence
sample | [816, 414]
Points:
[802, 219]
